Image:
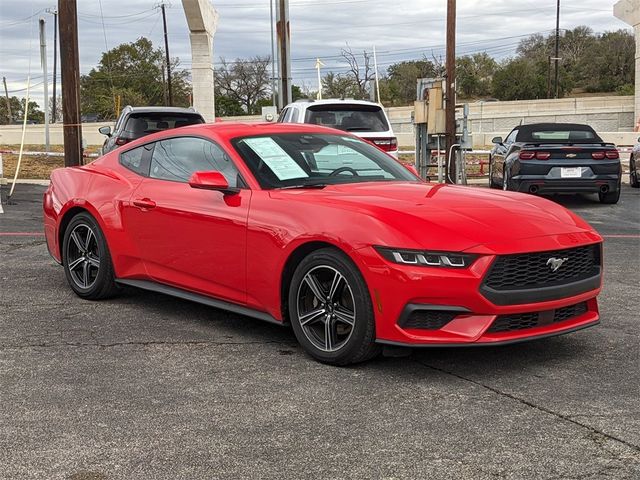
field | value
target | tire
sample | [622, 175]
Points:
[86, 259]
[492, 183]
[633, 173]
[610, 197]
[505, 179]
[346, 314]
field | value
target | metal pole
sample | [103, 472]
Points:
[55, 64]
[450, 112]
[166, 52]
[557, 72]
[45, 84]
[6, 94]
[70, 63]
[375, 66]
[54, 12]
[273, 58]
[549, 78]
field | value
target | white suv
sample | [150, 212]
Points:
[367, 120]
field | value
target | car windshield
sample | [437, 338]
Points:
[293, 160]
[141, 124]
[558, 134]
[348, 117]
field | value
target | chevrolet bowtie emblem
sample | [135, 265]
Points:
[571, 155]
[555, 263]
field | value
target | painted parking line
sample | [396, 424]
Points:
[621, 236]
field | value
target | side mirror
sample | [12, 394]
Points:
[497, 140]
[212, 181]
[638, 139]
[105, 131]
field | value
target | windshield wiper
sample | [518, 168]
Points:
[317, 185]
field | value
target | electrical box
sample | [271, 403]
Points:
[436, 115]
[420, 112]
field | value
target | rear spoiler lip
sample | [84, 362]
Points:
[564, 145]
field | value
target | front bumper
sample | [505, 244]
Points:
[395, 288]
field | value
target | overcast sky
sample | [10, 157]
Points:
[400, 29]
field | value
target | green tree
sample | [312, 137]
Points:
[474, 74]
[134, 72]
[339, 86]
[227, 107]
[519, 79]
[400, 84]
[17, 111]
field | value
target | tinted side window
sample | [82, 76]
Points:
[178, 158]
[283, 115]
[133, 160]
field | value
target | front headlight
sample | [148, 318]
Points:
[426, 259]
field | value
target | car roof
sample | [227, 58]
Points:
[162, 110]
[230, 130]
[554, 126]
[335, 101]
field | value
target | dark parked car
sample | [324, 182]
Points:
[556, 158]
[136, 122]
[634, 177]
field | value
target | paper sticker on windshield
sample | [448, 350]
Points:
[279, 161]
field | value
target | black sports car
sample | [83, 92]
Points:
[556, 158]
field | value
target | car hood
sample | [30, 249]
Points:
[444, 217]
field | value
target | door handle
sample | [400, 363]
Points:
[144, 203]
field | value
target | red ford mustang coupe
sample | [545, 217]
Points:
[313, 227]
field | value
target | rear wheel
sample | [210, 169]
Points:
[492, 183]
[633, 173]
[610, 197]
[331, 310]
[505, 179]
[86, 259]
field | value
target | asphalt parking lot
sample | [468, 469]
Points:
[148, 386]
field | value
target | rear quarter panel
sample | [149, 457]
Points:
[102, 191]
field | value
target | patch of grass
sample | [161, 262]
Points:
[37, 167]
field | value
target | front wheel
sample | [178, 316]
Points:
[331, 310]
[633, 173]
[86, 259]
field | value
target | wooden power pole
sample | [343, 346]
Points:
[284, 52]
[166, 53]
[450, 93]
[6, 93]
[70, 70]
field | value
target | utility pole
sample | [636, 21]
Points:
[450, 93]
[319, 64]
[284, 52]
[273, 59]
[166, 52]
[6, 94]
[557, 56]
[70, 63]
[45, 84]
[549, 77]
[54, 110]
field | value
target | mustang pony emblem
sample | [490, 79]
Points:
[555, 263]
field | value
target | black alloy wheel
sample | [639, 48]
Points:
[330, 309]
[86, 259]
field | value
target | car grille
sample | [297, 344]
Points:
[513, 272]
[522, 321]
[529, 277]
[428, 319]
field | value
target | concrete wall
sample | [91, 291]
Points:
[612, 117]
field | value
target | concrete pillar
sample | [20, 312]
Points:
[629, 11]
[202, 20]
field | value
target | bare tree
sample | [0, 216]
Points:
[362, 74]
[246, 81]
